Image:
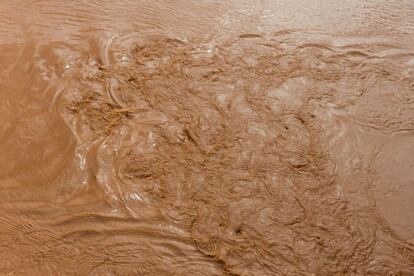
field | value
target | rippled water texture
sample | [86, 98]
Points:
[207, 137]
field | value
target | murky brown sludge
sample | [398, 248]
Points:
[207, 138]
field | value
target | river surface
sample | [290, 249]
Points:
[248, 137]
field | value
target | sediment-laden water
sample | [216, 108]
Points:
[206, 138]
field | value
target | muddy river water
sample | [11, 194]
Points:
[238, 137]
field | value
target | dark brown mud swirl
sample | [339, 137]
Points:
[250, 147]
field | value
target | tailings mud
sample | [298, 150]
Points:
[207, 139]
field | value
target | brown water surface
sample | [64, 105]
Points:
[207, 137]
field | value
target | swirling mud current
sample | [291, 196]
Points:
[241, 157]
